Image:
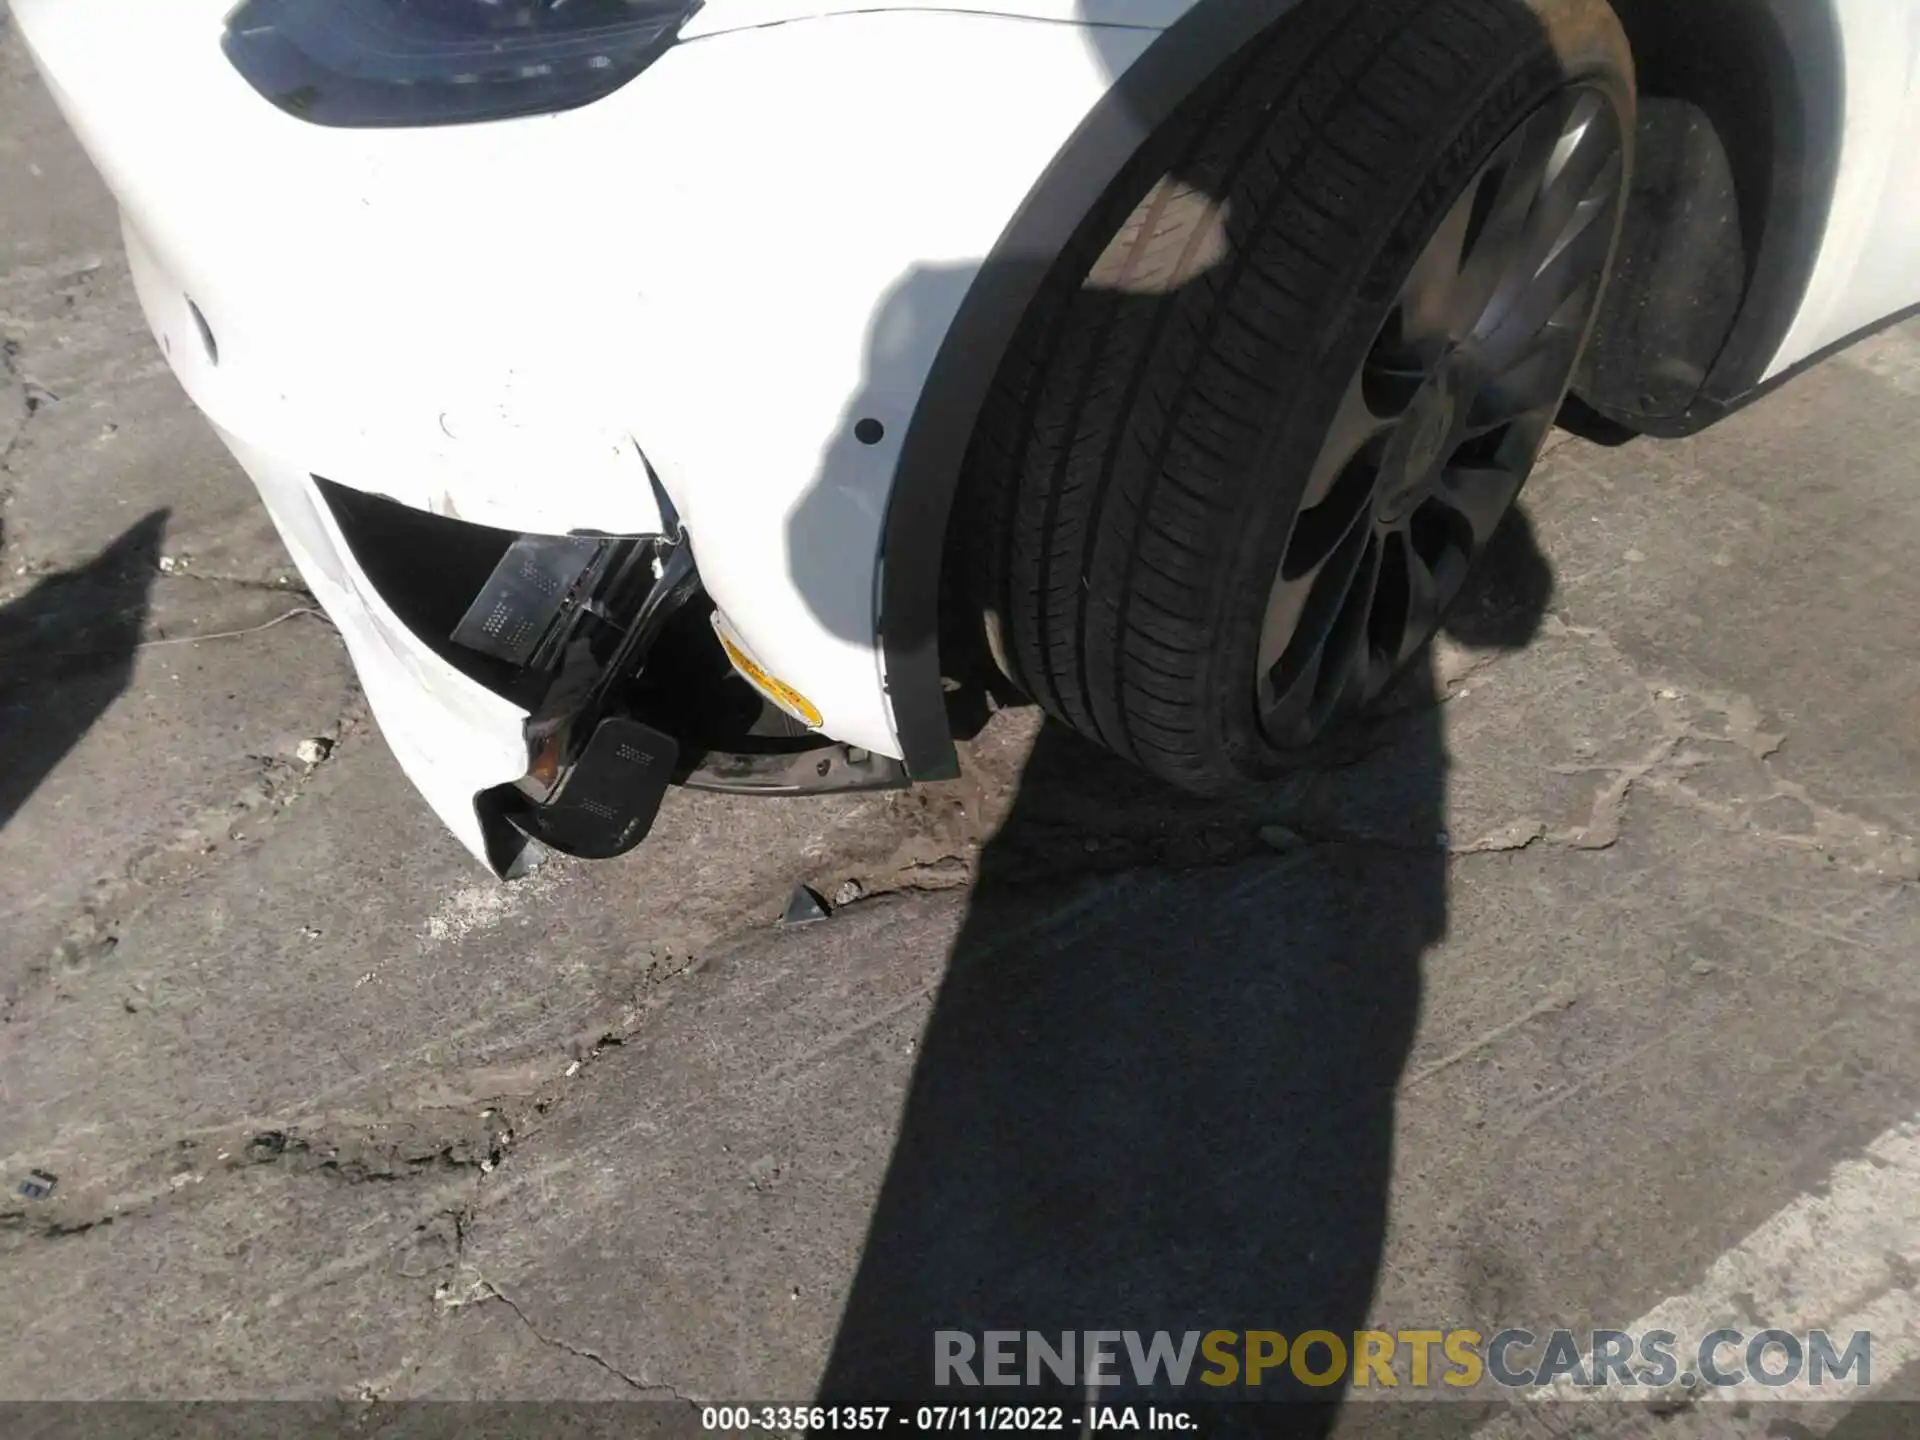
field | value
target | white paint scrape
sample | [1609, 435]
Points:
[477, 908]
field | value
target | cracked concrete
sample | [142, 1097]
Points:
[641, 1388]
[1521, 1006]
[1711, 752]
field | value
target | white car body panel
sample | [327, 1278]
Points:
[716, 270]
[720, 320]
[448, 732]
[1869, 260]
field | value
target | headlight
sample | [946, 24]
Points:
[439, 62]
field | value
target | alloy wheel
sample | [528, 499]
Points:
[1439, 426]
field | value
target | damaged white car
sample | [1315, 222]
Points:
[664, 392]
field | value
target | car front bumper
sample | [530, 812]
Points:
[715, 279]
[453, 737]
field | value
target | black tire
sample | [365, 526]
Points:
[1136, 481]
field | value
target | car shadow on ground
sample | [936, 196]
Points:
[1170, 1106]
[67, 649]
[1164, 1103]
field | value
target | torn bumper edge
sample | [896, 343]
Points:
[454, 738]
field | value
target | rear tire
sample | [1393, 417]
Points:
[1161, 519]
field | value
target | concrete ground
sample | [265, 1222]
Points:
[1589, 988]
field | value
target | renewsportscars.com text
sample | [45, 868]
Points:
[1514, 1358]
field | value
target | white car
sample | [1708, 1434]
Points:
[655, 391]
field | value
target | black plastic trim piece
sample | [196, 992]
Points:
[1810, 109]
[582, 748]
[830, 769]
[607, 798]
[1807, 94]
[1707, 413]
[1173, 67]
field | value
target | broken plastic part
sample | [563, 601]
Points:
[518, 614]
[828, 769]
[804, 908]
[607, 799]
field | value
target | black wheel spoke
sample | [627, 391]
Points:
[1304, 602]
[1533, 382]
[1477, 496]
[1348, 670]
[1355, 425]
[1410, 600]
[1555, 261]
[1581, 178]
[1503, 201]
[1428, 319]
[1565, 283]
[1545, 237]
[1328, 657]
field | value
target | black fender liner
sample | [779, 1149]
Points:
[1773, 93]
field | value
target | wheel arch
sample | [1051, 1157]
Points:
[1741, 119]
[1783, 172]
[933, 450]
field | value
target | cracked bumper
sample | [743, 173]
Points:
[452, 736]
[490, 322]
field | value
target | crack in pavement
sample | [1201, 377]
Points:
[119, 898]
[349, 1148]
[1180, 841]
[460, 1294]
[486, 1290]
[29, 398]
[345, 1150]
[17, 409]
[289, 587]
[1666, 767]
[362, 1164]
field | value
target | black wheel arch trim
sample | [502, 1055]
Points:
[927, 474]
[1806, 75]
[1174, 66]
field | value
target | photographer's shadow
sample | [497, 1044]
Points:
[1163, 1099]
[67, 651]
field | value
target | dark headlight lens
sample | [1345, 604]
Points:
[440, 62]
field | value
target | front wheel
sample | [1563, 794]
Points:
[1269, 411]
